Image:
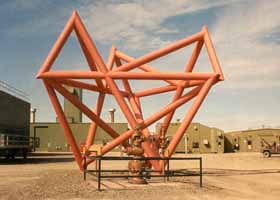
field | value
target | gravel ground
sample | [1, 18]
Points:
[226, 176]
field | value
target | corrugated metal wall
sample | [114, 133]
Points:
[250, 140]
[52, 137]
[14, 114]
[198, 138]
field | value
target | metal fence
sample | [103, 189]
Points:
[99, 172]
[18, 141]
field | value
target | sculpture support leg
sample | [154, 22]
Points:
[67, 131]
[189, 116]
[93, 125]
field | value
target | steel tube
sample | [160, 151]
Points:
[117, 141]
[190, 114]
[171, 107]
[88, 56]
[79, 84]
[90, 45]
[75, 101]
[160, 76]
[157, 90]
[161, 52]
[180, 90]
[146, 145]
[63, 121]
[146, 68]
[106, 78]
[93, 125]
[212, 54]
[58, 45]
[111, 58]
[119, 98]
[169, 116]
[196, 51]
[88, 86]
[72, 74]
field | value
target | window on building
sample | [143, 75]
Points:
[195, 144]
[249, 142]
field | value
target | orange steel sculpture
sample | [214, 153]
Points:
[105, 76]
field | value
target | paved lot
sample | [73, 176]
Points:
[227, 176]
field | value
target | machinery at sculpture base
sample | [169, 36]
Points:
[123, 67]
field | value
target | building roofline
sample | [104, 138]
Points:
[250, 130]
[14, 92]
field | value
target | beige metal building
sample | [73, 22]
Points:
[198, 138]
[51, 134]
[52, 137]
[250, 140]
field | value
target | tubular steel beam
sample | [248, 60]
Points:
[106, 75]
[161, 52]
[75, 101]
[93, 125]
[136, 108]
[63, 121]
[189, 116]
[146, 68]
[160, 76]
[212, 54]
[58, 45]
[87, 86]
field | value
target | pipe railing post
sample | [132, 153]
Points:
[200, 172]
[99, 173]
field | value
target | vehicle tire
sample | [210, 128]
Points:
[266, 154]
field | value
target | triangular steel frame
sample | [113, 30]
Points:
[129, 101]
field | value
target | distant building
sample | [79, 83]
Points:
[198, 138]
[14, 122]
[52, 136]
[250, 140]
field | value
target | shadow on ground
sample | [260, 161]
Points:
[230, 172]
[36, 160]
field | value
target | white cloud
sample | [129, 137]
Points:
[132, 23]
[248, 60]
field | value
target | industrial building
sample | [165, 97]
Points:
[250, 140]
[52, 137]
[14, 116]
[51, 134]
[198, 138]
[14, 122]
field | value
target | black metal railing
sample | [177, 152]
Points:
[18, 141]
[166, 173]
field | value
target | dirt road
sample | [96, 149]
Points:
[226, 176]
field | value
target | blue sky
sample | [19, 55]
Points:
[246, 35]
